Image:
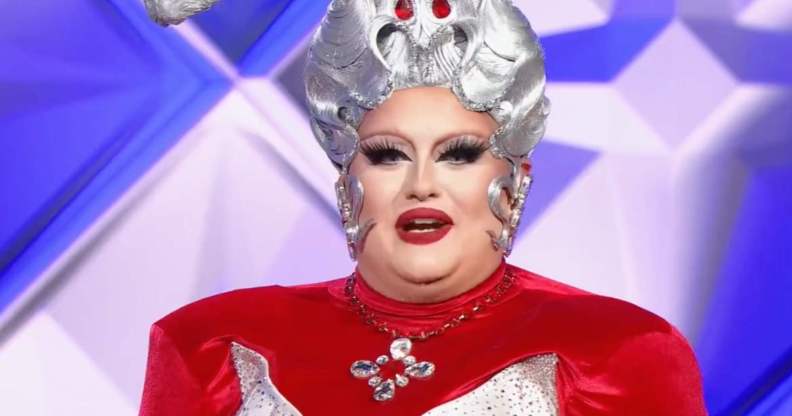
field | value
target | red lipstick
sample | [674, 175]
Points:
[423, 225]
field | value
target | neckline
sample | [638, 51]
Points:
[400, 310]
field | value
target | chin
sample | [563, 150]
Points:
[424, 266]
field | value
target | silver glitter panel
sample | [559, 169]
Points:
[522, 389]
[259, 395]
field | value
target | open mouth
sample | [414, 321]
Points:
[423, 225]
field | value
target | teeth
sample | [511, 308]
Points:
[423, 225]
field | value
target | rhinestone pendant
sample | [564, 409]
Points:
[400, 348]
[364, 369]
[401, 380]
[385, 388]
[420, 370]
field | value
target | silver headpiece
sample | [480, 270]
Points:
[483, 50]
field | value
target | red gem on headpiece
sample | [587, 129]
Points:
[441, 8]
[404, 9]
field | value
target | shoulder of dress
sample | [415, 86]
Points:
[536, 282]
[612, 353]
[612, 316]
[586, 315]
[227, 311]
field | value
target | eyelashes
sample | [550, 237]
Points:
[459, 151]
[463, 150]
[382, 152]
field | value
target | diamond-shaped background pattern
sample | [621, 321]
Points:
[142, 168]
[81, 118]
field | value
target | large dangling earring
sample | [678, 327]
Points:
[349, 194]
[517, 187]
[517, 209]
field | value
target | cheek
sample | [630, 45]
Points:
[380, 189]
[468, 189]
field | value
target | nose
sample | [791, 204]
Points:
[420, 182]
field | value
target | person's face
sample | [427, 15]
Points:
[422, 149]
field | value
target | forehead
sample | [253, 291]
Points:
[424, 114]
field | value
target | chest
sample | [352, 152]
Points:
[309, 386]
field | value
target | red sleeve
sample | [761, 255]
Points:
[188, 381]
[653, 374]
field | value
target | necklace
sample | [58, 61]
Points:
[401, 346]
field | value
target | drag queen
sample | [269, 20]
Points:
[430, 110]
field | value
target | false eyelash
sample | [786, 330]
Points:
[382, 152]
[463, 150]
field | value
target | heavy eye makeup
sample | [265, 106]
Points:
[458, 151]
[382, 152]
[463, 150]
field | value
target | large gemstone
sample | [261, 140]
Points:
[441, 8]
[364, 369]
[400, 348]
[404, 9]
[385, 390]
[420, 370]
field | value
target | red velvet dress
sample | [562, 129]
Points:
[614, 358]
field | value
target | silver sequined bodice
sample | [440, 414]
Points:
[522, 389]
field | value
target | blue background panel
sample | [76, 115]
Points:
[82, 118]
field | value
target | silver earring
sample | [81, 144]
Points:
[517, 190]
[517, 209]
[349, 194]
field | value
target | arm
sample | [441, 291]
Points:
[177, 384]
[652, 374]
[661, 374]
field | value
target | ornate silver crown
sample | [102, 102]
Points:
[483, 50]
